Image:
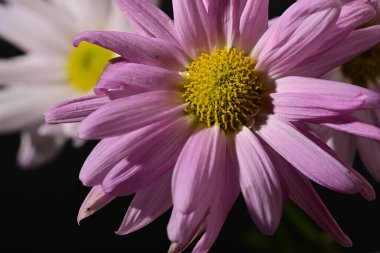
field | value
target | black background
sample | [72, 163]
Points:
[38, 208]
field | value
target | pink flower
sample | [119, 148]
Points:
[217, 103]
[364, 71]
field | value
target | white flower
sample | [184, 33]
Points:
[51, 70]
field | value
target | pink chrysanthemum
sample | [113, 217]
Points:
[364, 71]
[217, 103]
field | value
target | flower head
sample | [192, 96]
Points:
[216, 103]
[50, 70]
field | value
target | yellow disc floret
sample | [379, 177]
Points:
[85, 65]
[223, 88]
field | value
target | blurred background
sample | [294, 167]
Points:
[39, 208]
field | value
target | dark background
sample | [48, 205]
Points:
[39, 207]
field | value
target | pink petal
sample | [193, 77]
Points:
[308, 157]
[312, 101]
[111, 151]
[148, 20]
[344, 145]
[183, 228]
[319, 87]
[253, 23]
[355, 44]
[130, 113]
[149, 159]
[303, 194]
[350, 124]
[190, 21]
[95, 200]
[136, 48]
[366, 190]
[259, 182]
[296, 35]
[294, 114]
[197, 168]
[352, 15]
[369, 154]
[220, 208]
[75, 110]
[147, 205]
[140, 76]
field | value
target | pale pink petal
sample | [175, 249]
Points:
[253, 23]
[312, 101]
[296, 35]
[197, 168]
[308, 157]
[36, 150]
[143, 76]
[344, 146]
[130, 113]
[32, 69]
[319, 87]
[148, 20]
[366, 190]
[231, 22]
[111, 151]
[190, 22]
[95, 200]
[259, 182]
[136, 48]
[352, 15]
[369, 149]
[147, 205]
[355, 44]
[75, 110]
[220, 208]
[350, 124]
[149, 159]
[183, 228]
[294, 114]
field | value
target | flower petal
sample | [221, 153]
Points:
[295, 36]
[350, 124]
[32, 69]
[148, 20]
[23, 108]
[190, 22]
[259, 182]
[130, 113]
[36, 150]
[319, 87]
[111, 151]
[149, 159]
[303, 194]
[344, 145]
[312, 101]
[139, 75]
[308, 157]
[75, 110]
[95, 200]
[147, 205]
[253, 23]
[197, 168]
[136, 48]
[220, 208]
[355, 44]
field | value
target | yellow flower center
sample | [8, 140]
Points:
[364, 68]
[223, 88]
[85, 65]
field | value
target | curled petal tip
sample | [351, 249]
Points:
[174, 248]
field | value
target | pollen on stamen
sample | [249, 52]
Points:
[223, 88]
